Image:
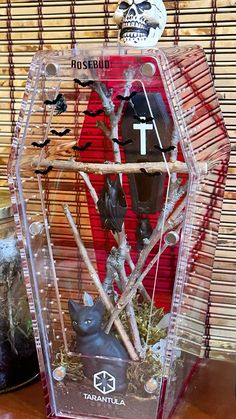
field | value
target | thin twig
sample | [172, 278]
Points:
[123, 249]
[131, 288]
[173, 198]
[130, 295]
[90, 187]
[96, 280]
[128, 258]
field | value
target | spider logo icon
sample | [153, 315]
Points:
[104, 382]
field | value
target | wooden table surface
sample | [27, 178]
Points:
[210, 396]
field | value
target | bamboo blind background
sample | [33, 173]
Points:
[26, 26]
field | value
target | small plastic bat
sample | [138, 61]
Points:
[55, 101]
[149, 174]
[122, 143]
[83, 147]
[112, 205]
[164, 150]
[143, 119]
[41, 145]
[93, 114]
[83, 83]
[43, 172]
[120, 97]
[61, 133]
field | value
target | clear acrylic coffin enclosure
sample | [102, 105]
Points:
[117, 173]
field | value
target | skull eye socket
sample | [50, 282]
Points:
[123, 5]
[145, 5]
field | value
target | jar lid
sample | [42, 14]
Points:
[5, 205]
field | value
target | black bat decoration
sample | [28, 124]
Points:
[143, 231]
[149, 174]
[60, 133]
[164, 150]
[84, 83]
[122, 143]
[83, 147]
[112, 205]
[41, 145]
[93, 114]
[43, 172]
[143, 119]
[127, 98]
[53, 102]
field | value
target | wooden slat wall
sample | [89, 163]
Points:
[26, 26]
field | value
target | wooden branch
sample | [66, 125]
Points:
[104, 128]
[142, 289]
[128, 258]
[129, 73]
[108, 168]
[90, 187]
[132, 292]
[122, 241]
[96, 280]
[131, 316]
[123, 249]
[112, 132]
[131, 287]
[105, 96]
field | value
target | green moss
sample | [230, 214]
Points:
[72, 363]
[147, 318]
[139, 373]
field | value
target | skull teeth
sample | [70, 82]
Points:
[134, 24]
[136, 37]
[134, 32]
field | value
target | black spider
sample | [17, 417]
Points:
[61, 105]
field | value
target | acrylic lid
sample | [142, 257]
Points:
[5, 205]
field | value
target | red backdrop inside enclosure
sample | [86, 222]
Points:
[100, 151]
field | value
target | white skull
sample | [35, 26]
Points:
[140, 23]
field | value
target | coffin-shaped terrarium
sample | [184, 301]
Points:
[117, 174]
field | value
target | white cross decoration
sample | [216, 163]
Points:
[143, 127]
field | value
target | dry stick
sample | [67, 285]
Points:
[145, 272]
[142, 289]
[94, 196]
[129, 308]
[114, 134]
[136, 277]
[109, 108]
[130, 288]
[115, 117]
[156, 257]
[175, 190]
[155, 237]
[131, 318]
[108, 168]
[174, 196]
[90, 187]
[95, 278]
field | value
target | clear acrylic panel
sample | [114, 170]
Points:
[117, 174]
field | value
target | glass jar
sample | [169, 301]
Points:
[18, 359]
